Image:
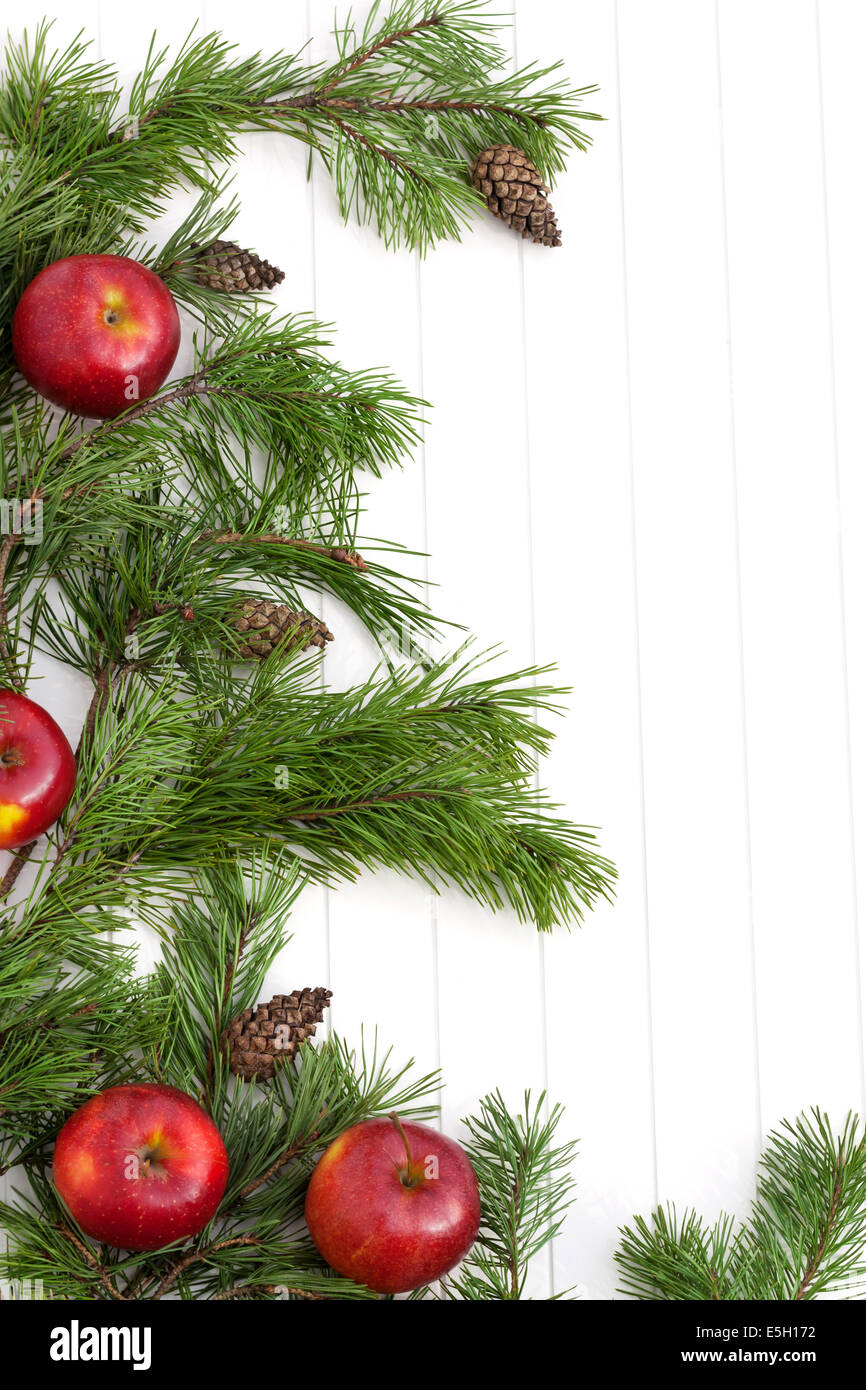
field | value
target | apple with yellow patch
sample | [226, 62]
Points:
[393, 1205]
[141, 1166]
[94, 334]
[37, 770]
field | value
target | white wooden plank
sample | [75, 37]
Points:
[125, 32]
[530, 527]
[690, 639]
[490, 977]
[792, 614]
[842, 42]
[382, 928]
[598, 1035]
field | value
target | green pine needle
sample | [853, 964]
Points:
[804, 1237]
[210, 793]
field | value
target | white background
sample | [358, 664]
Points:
[645, 461]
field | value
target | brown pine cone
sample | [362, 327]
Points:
[260, 1040]
[263, 625]
[223, 265]
[515, 191]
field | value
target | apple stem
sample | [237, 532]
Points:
[407, 1177]
[395, 1120]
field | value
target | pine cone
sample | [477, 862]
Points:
[263, 625]
[261, 1040]
[224, 266]
[514, 190]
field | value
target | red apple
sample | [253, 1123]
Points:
[393, 1205]
[37, 770]
[94, 334]
[140, 1166]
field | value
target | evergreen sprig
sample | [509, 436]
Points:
[526, 1186]
[410, 99]
[210, 793]
[804, 1237]
[219, 940]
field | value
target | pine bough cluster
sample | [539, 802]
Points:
[211, 789]
[804, 1237]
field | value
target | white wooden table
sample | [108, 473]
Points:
[668, 497]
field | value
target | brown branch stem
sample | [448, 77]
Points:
[388, 41]
[516, 1191]
[818, 1254]
[294, 1149]
[194, 385]
[94, 1264]
[329, 552]
[6, 653]
[380, 150]
[233, 960]
[171, 1278]
[312, 101]
[250, 1290]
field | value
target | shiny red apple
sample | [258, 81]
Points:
[140, 1166]
[37, 770]
[393, 1205]
[95, 334]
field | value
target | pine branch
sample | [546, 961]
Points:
[681, 1258]
[525, 1183]
[294, 1150]
[208, 794]
[396, 119]
[805, 1235]
[428, 774]
[329, 552]
[13, 675]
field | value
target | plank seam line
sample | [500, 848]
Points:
[636, 611]
[732, 421]
[834, 427]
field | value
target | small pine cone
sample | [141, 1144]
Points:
[260, 1040]
[514, 190]
[263, 625]
[224, 266]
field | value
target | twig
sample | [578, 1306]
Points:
[380, 150]
[232, 962]
[328, 552]
[249, 1290]
[285, 1157]
[312, 101]
[815, 1260]
[194, 385]
[101, 695]
[388, 41]
[319, 99]
[101, 689]
[98, 1269]
[514, 1222]
[194, 1256]
[6, 653]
